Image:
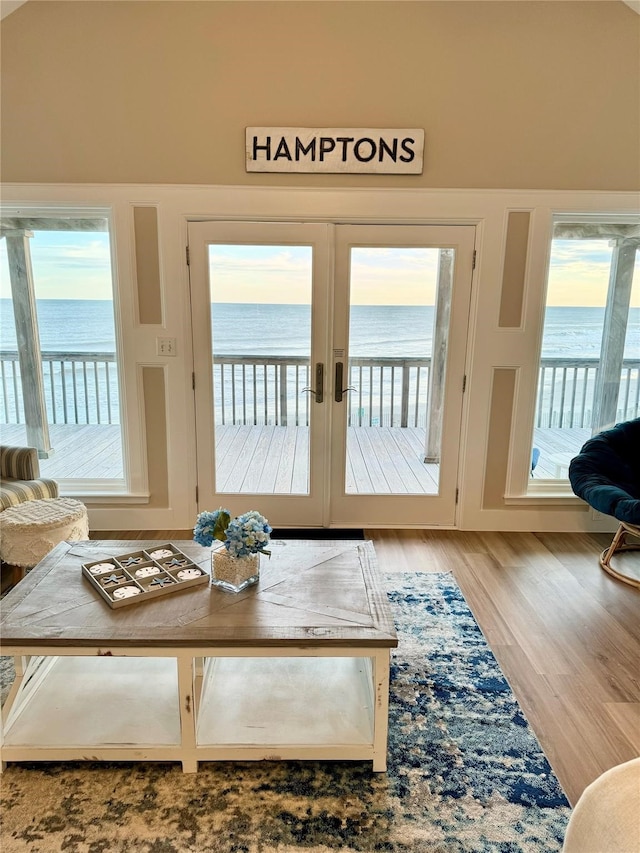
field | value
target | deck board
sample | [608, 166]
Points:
[396, 472]
[300, 482]
[412, 450]
[101, 455]
[379, 485]
[557, 448]
[357, 471]
[273, 459]
[228, 474]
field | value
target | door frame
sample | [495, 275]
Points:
[303, 510]
[411, 509]
[327, 505]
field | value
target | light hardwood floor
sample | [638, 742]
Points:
[566, 635]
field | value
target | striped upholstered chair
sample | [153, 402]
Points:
[20, 478]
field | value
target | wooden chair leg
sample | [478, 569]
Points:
[618, 544]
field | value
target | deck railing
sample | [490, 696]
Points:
[261, 390]
[79, 388]
[271, 390]
[82, 388]
[566, 390]
[388, 391]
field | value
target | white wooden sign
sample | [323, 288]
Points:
[370, 150]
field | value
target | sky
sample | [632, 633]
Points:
[283, 274]
[73, 265]
[66, 265]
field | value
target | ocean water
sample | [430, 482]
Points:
[76, 395]
[88, 326]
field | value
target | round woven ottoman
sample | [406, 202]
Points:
[33, 528]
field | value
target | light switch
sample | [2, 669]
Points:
[165, 346]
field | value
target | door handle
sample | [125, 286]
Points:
[319, 389]
[338, 389]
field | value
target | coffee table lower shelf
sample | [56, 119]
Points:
[192, 705]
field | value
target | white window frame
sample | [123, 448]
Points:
[522, 487]
[133, 486]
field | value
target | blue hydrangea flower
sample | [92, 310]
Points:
[244, 535]
[248, 534]
[210, 526]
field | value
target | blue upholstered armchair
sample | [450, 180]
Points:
[606, 474]
[20, 478]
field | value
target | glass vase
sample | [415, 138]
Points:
[234, 574]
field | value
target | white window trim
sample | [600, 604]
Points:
[488, 346]
[134, 485]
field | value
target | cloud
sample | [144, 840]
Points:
[255, 275]
[379, 276]
[66, 265]
[579, 273]
[393, 276]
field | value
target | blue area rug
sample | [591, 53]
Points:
[465, 771]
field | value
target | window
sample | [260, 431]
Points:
[58, 354]
[589, 377]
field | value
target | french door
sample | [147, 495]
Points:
[329, 364]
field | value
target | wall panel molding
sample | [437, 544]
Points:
[145, 227]
[494, 353]
[514, 269]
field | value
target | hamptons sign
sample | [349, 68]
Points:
[371, 150]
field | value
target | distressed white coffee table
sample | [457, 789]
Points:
[296, 667]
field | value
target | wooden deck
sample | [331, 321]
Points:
[557, 447]
[273, 460]
[79, 450]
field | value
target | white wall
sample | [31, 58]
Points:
[490, 346]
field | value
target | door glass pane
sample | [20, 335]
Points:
[261, 337]
[400, 302]
[590, 365]
[60, 389]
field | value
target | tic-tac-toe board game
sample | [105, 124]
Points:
[131, 578]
